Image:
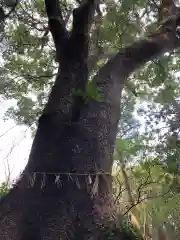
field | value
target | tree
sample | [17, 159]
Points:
[75, 139]
[160, 206]
[150, 200]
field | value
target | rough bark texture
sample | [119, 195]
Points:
[75, 138]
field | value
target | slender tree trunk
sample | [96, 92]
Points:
[170, 231]
[131, 206]
[65, 189]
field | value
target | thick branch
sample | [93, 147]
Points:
[54, 11]
[56, 26]
[134, 56]
[103, 116]
[82, 21]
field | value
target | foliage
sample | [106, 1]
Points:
[92, 92]
[124, 229]
[3, 190]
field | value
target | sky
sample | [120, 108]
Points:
[15, 144]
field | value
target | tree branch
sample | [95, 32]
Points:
[56, 26]
[82, 22]
[146, 198]
[3, 16]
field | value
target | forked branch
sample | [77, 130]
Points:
[72, 51]
[82, 21]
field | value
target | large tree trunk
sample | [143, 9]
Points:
[65, 189]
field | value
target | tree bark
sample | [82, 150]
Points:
[65, 190]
